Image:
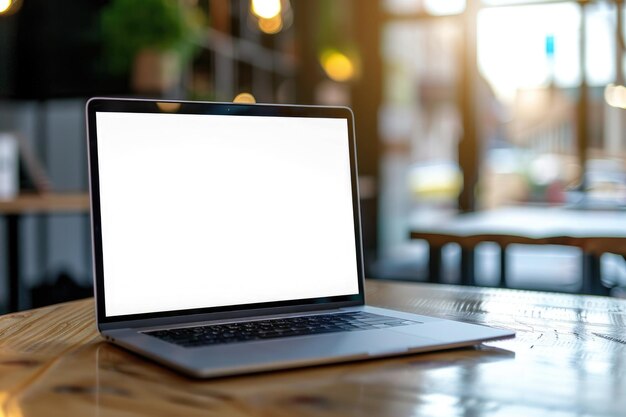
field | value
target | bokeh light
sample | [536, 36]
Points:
[615, 96]
[337, 65]
[245, 98]
[266, 9]
[168, 107]
[271, 26]
[5, 5]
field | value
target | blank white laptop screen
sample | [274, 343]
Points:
[206, 211]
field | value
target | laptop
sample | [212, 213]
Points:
[227, 240]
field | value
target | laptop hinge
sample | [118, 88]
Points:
[241, 314]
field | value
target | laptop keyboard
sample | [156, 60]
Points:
[275, 328]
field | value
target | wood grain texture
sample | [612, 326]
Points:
[569, 358]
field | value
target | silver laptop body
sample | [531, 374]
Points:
[208, 217]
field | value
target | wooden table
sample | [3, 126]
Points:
[25, 204]
[594, 231]
[569, 358]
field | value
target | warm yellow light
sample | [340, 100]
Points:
[5, 5]
[168, 106]
[266, 9]
[615, 96]
[271, 26]
[337, 66]
[245, 98]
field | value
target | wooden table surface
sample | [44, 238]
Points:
[595, 231]
[569, 358]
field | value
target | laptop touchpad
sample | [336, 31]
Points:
[346, 344]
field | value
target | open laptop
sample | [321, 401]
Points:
[227, 239]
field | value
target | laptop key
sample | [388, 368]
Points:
[270, 329]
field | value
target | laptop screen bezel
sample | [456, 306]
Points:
[96, 105]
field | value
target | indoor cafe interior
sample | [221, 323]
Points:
[490, 141]
[490, 134]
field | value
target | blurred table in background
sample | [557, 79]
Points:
[594, 231]
[566, 360]
[28, 204]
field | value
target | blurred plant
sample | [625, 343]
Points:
[131, 26]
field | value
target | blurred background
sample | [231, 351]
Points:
[463, 108]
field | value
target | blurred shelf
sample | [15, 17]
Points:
[248, 51]
[45, 203]
[42, 204]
